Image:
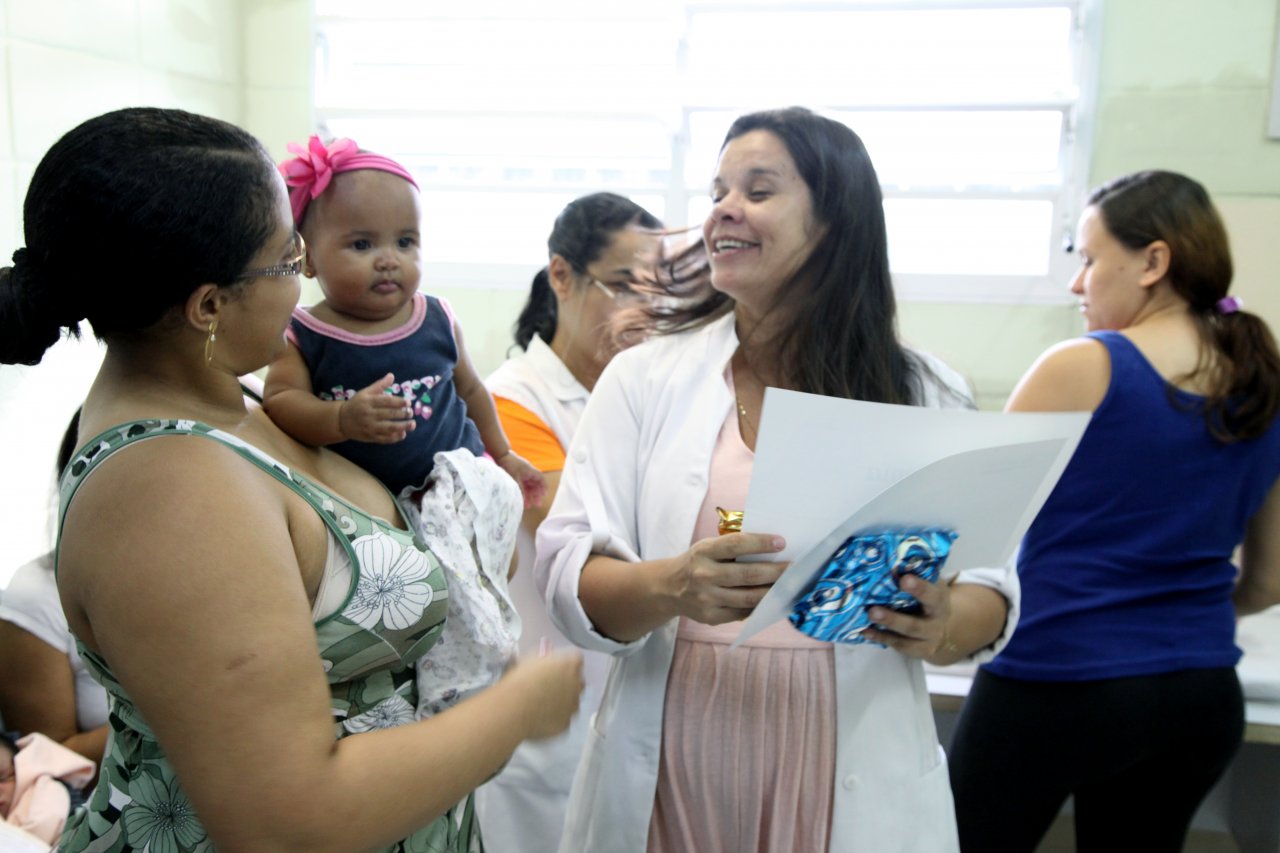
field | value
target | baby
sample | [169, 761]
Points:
[379, 372]
[41, 781]
[376, 370]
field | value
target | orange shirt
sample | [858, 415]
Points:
[529, 436]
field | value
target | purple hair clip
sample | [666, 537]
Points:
[1229, 304]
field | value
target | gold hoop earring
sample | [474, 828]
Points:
[209, 342]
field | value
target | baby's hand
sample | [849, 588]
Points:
[374, 415]
[532, 484]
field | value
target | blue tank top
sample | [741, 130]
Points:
[1127, 569]
[422, 354]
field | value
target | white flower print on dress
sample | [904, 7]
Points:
[160, 818]
[391, 712]
[393, 586]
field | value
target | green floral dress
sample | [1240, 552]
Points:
[393, 613]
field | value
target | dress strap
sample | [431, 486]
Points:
[335, 512]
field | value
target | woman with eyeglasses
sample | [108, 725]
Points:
[786, 745]
[600, 246]
[253, 606]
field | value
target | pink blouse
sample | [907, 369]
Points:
[749, 736]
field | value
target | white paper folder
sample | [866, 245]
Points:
[827, 468]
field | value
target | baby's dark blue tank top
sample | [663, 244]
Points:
[422, 354]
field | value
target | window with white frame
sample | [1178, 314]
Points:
[506, 110]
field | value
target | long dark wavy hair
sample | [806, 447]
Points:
[582, 232]
[1238, 359]
[838, 309]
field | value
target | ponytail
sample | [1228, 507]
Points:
[192, 198]
[539, 313]
[581, 233]
[26, 318]
[1238, 358]
[1244, 396]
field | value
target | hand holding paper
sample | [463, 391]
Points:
[714, 586]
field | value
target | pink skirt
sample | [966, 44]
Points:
[748, 746]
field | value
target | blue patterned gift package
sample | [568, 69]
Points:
[863, 572]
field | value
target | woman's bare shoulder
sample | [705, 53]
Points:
[155, 508]
[1072, 376]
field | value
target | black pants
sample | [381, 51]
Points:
[1139, 754]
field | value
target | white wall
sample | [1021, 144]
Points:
[1186, 85]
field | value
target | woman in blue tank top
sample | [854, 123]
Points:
[1119, 684]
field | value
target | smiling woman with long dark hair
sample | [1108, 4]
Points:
[788, 744]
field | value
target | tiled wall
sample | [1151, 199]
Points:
[1186, 85]
[62, 61]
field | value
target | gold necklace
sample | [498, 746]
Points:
[742, 410]
[738, 376]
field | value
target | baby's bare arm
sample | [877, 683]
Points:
[371, 415]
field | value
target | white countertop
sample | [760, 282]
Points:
[1258, 636]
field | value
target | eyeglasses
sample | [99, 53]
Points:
[615, 289]
[291, 267]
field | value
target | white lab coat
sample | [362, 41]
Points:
[632, 486]
[523, 807]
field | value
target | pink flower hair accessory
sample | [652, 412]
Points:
[309, 173]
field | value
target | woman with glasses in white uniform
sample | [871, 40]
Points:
[599, 246]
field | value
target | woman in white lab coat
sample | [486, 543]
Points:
[788, 745]
[598, 248]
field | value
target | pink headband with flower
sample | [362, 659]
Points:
[309, 174]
